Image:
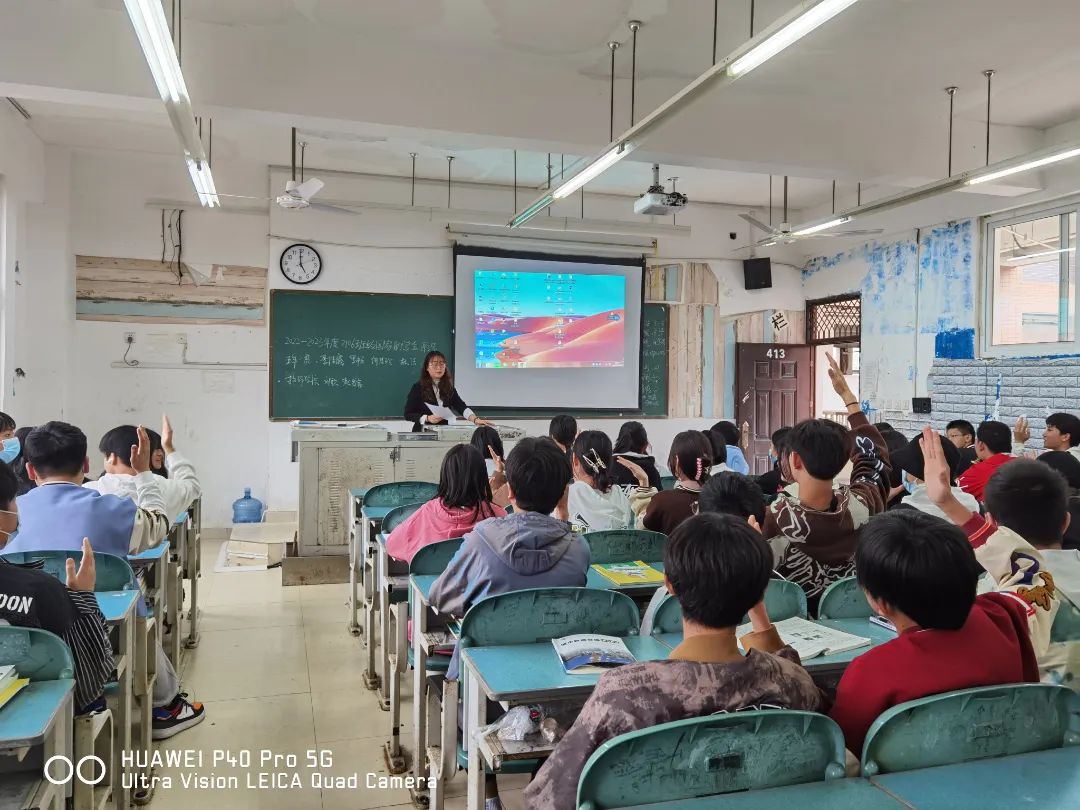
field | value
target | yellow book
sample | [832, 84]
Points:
[631, 573]
[11, 690]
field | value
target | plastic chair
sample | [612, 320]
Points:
[113, 573]
[400, 493]
[519, 617]
[433, 558]
[970, 724]
[398, 515]
[783, 600]
[844, 599]
[667, 482]
[625, 545]
[710, 756]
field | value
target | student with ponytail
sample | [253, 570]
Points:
[690, 461]
[595, 503]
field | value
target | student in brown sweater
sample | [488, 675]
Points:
[689, 461]
[813, 533]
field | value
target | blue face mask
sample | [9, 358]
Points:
[11, 449]
[909, 485]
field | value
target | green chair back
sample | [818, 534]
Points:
[844, 599]
[399, 493]
[667, 482]
[783, 600]
[396, 516]
[625, 545]
[541, 614]
[710, 756]
[970, 724]
[36, 654]
[1066, 626]
[113, 573]
[433, 558]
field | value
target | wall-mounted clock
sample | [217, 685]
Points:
[300, 263]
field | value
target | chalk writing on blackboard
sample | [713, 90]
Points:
[318, 365]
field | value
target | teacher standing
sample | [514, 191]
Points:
[436, 387]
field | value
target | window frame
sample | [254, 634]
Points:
[1070, 205]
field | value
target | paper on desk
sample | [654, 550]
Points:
[444, 412]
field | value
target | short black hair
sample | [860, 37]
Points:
[56, 448]
[563, 429]
[632, 438]
[6, 422]
[909, 457]
[732, 493]
[592, 449]
[1030, 498]
[996, 436]
[719, 446]
[9, 486]
[691, 451]
[484, 437]
[538, 473]
[1064, 422]
[463, 481]
[779, 436]
[718, 568]
[883, 426]
[728, 431]
[1065, 463]
[896, 443]
[824, 447]
[963, 425]
[119, 441]
[919, 564]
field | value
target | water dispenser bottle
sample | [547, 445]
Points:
[247, 509]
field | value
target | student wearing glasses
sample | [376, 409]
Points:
[436, 387]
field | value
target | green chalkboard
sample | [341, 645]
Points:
[339, 355]
[654, 360]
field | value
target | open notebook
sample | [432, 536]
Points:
[810, 639]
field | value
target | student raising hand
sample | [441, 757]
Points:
[140, 453]
[939, 479]
[840, 383]
[86, 577]
[167, 435]
[635, 470]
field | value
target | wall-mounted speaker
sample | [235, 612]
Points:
[757, 273]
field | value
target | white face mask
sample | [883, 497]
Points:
[15, 531]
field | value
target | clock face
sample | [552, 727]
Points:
[301, 264]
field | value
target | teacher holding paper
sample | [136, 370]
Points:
[436, 388]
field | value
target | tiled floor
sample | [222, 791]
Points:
[279, 672]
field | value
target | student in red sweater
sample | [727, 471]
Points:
[920, 572]
[993, 441]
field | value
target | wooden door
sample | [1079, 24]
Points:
[774, 389]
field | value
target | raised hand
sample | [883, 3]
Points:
[1021, 432]
[86, 577]
[839, 382]
[140, 453]
[935, 468]
[635, 470]
[500, 465]
[166, 435]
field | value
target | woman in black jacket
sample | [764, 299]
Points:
[436, 387]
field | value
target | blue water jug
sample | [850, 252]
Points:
[247, 509]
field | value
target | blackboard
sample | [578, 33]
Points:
[339, 355]
[654, 360]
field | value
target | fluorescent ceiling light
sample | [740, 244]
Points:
[531, 211]
[203, 181]
[1018, 256]
[594, 169]
[789, 34]
[1024, 167]
[824, 226]
[148, 17]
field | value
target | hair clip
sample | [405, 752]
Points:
[597, 463]
[700, 464]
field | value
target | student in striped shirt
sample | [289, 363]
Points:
[32, 598]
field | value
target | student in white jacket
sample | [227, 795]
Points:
[595, 503]
[179, 490]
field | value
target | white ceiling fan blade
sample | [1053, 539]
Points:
[245, 197]
[337, 209]
[309, 188]
[757, 223]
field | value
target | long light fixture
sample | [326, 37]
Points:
[824, 226]
[203, 181]
[1040, 255]
[791, 33]
[1024, 167]
[152, 30]
[791, 27]
[593, 170]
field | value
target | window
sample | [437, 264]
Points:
[1031, 283]
[834, 320]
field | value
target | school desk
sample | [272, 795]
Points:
[356, 504]
[192, 567]
[518, 674]
[366, 556]
[118, 607]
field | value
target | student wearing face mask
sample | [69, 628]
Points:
[11, 447]
[909, 459]
[18, 466]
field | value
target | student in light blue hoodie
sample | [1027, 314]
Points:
[736, 461]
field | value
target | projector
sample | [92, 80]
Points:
[659, 202]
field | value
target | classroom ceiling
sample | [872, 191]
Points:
[368, 82]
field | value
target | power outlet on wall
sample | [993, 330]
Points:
[129, 337]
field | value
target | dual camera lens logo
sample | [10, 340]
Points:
[60, 769]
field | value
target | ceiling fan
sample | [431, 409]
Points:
[785, 235]
[298, 194]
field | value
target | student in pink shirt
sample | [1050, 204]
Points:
[463, 500]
